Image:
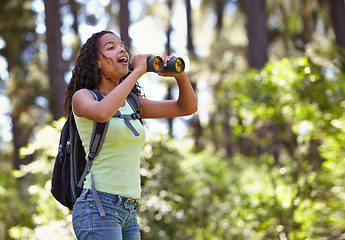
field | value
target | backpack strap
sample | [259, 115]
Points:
[96, 142]
[98, 135]
[135, 104]
[127, 118]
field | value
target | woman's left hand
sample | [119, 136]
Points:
[186, 103]
[166, 59]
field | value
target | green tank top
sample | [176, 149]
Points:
[116, 169]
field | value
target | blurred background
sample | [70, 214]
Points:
[264, 156]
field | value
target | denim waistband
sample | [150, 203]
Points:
[111, 198]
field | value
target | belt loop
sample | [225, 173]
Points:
[125, 203]
[136, 204]
[119, 200]
[86, 193]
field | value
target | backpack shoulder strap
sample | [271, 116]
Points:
[96, 141]
[98, 133]
[134, 102]
[97, 96]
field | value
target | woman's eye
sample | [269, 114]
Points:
[110, 48]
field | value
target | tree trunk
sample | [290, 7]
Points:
[168, 52]
[195, 122]
[338, 20]
[257, 33]
[124, 23]
[220, 13]
[74, 10]
[15, 25]
[190, 45]
[56, 64]
[76, 46]
[19, 140]
[308, 26]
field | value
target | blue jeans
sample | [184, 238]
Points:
[120, 221]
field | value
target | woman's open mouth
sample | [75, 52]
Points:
[123, 60]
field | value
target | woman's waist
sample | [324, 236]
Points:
[109, 198]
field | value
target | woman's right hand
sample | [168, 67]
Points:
[140, 63]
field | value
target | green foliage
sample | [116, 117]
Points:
[284, 178]
[291, 115]
[14, 207]
[184, 196]
[274, 163]
[29, 210]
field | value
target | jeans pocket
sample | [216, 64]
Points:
[78, 215]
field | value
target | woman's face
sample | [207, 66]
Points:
[113, 58]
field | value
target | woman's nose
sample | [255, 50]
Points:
[122, 50]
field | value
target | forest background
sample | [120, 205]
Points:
[264, 156]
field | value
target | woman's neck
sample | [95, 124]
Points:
[101, 92]
[105, 86]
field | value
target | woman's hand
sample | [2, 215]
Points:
[140, 63]
[166, 59]
[186, 103]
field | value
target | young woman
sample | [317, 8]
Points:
[102, 66]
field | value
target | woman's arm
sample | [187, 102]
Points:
[84, 104]
[185, 105]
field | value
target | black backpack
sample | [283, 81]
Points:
[71, 167]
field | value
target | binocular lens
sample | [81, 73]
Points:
[154, 64]
[175, 65]
[157, 64]
[179, 65]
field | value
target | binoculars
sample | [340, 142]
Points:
[155, 64]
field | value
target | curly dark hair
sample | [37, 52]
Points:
[86, 73]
